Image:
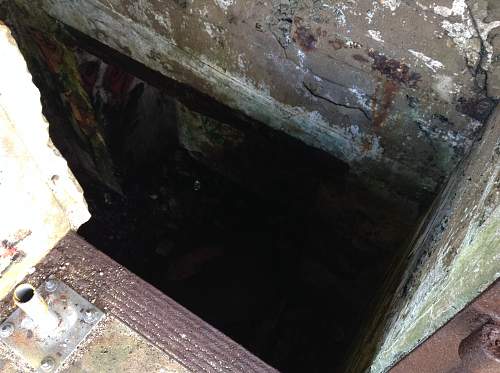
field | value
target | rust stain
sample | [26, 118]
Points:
[8, 248]
[381, 110]
[305, 38]
[397, 74]
[393, 69]
[9, 251]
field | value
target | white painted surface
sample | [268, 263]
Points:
[432, 64]
[39, 197]
[375, 35]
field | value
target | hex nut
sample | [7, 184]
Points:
[48, 363]
[89, 316]
[50, 285]
[6, 330]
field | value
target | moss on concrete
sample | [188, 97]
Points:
[455, 257]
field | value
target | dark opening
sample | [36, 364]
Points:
[277, 244]
[24, 293]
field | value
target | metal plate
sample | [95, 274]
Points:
[44, 351]
[163, 322]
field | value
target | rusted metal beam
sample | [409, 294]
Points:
[469, 343]
[165, 324]
[480, 351]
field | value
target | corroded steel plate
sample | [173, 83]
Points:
[43, 350]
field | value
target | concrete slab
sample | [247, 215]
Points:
[39, 196]
[117, 348]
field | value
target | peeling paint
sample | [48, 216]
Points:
[209, 28]
[362, 98]
[484, 30]
[465, 34]
[421, 6]
[302, 57]
[338, 11]
[370, 144]
[445, 87]
[462, 34]
[369, 16]
[375, 35]
[429, 62]
[391, 4]
[458, 8]
[224, 4]
[164, 20]
[241, 62]
[267, 85]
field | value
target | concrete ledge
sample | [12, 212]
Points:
[39, 197]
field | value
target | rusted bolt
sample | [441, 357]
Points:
[480, 351]
[89, 316]
[6, 330]
[48, 363]
[50, 285]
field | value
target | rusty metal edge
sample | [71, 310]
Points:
[163, 322]
[440, 352]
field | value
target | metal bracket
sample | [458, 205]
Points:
[46, 350]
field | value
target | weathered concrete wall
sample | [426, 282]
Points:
[394, 89]
[398, 90]
[39, 197]
[455, 256]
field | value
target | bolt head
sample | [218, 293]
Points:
[48, 363]
[89, 315]
[6, 330]
[50, 285]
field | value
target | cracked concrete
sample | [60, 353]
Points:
[313, 70]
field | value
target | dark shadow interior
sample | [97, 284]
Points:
[277, 244]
